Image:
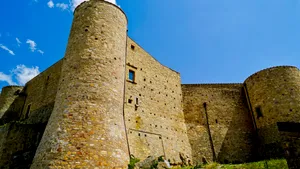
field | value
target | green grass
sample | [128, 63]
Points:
[270, 164]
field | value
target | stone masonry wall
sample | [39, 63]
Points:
[18, 143]
[274, 94]
[230, 136]
[7, 97]
[19, 140]
[40, 93]
[86, 128]
[153, 108]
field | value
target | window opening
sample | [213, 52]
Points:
[258, 112]
[132, 47]
[131, 75]
[27, 111]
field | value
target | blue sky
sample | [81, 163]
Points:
[207, 41]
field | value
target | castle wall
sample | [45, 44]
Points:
[86, 128]
[153, 108]
[274, 95]
[7, 97]
[40, 94]
[218, 122]
[18, 143]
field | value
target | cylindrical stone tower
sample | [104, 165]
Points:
[86, 128]
[274, 96]
[8, 95]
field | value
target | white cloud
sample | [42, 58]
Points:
[6, 48]
[112, 1]
[32, 45]
[62, 6]
[18, 41]
[50, 4]
[40, 51]
[7, 78]
[75, 3]
[23, 74]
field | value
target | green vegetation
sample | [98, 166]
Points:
[132, 162]
[270, 164]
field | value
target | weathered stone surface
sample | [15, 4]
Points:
[153, 108]
[92, 126]
[230, 132]
[152, 162]
[275, 93]
[41, 91]
[18, 143]
[86, 128]
[7, 97]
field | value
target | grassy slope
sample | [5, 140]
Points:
[271, 164]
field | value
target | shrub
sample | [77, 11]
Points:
[132, 162]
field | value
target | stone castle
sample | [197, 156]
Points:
[108, 99]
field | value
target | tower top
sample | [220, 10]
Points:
[101, 1]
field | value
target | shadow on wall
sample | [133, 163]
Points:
[219, 115]
[20, 134]
[239, 139]
[238, 144]
[14, 112]
[18, 144]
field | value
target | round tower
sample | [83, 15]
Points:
[7, 97]
[86, 128]
[274, 96]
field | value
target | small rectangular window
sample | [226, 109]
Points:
[131, 75]
[132, 47]
[258, 112]
[28, 111]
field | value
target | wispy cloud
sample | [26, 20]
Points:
[7, 78]
[18, 41]
[50, 4]
[21, 74]
[40, 51]
[62, 6]
[8, 50]
[32, 45]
